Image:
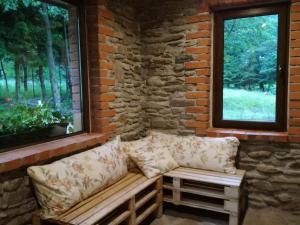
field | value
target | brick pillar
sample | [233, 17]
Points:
[201, 54]
[294, 80]
[100, 49]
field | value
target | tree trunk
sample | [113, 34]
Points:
[4, 74]
[42, 82]
[17, 74]
[25, 81]
[32, 80]
[51, 64]
[67, 64]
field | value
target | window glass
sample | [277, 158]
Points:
[40, 84]
[250, 61]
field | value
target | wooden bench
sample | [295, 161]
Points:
[208, 190]
[129, 201]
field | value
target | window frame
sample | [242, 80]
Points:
[282, 10]
[83, 69]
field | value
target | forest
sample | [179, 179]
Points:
[35, 83]
[249, 76]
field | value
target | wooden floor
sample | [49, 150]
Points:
[268, 216]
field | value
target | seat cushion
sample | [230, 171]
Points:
[62, 184]
[216, 154]
[152, 159]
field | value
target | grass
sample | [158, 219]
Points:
[246, 105]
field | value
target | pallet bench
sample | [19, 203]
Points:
[129, 201]
[208, 190]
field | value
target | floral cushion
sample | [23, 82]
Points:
[62, 184]
[132, 145]
[216, 154]
[152, 159]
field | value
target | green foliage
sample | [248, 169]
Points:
[24, 118]
[250, 53]
[248, 105]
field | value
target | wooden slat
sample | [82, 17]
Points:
[99, 197]
[120, 218]
[132, 219]
[145, 199]
[146, 213]
[199, 204]
[205, 176]
[198, 191]
[106, 206]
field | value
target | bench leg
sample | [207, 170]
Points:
[132, 218]
[159, 197]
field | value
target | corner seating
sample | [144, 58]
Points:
[133, 198]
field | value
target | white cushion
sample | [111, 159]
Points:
[216, 154]
[66, 182]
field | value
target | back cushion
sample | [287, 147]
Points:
[64, 183]
[216, 154]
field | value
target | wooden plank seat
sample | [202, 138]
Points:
[208, 190]
[128, 201]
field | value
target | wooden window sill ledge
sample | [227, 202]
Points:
[249, 134]
[30, 155]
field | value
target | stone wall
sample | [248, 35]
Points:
[17, 201]
[273, 174]
[164, 32]
[130, 85]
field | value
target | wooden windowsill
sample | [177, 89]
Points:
[30, 155]
[249, 134]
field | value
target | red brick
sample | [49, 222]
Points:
[295, 52]
[204, 26]
[196, 109]
[106, 97]
[294, 104]
[294, 138]
[204, 42]
[196, 124]
[197, 50]
[108, 129]
[204, 72]
[196, 65]
[295, 26]
[295, 61]
[295, 35]
[202, 87]
[295, 79]
[295, 87]
[295, 8]
[105, 30]
[295, 113]
[199, 34]
[106, 48]
[203, 117]
[194, 80]
[294, 130]
[203, 57]
[195, 95]
[105, 81]
[294, 122]
[103, 55]
[295, 95]
[105, 113]
[106, 14]
[295, 16]
[106, 65]
[198, 18]
[295, 44]
[202, 102]
[201, 132]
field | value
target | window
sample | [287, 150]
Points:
[250, 64]
[40, 81]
